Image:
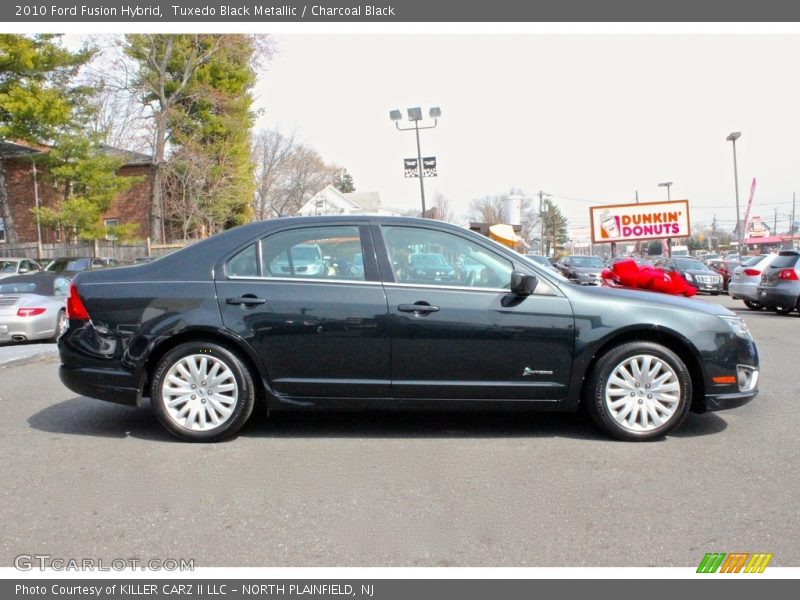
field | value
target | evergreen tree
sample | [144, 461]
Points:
[199, 89]
[344, 183]
[555, 228]
[39, 99]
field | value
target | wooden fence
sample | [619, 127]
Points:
[124, 252]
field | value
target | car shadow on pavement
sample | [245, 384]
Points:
[86, 417]
[94, 418]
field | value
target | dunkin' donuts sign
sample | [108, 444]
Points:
[643, 221]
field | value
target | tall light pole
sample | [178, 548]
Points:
[732, 138]
[415, 116]
[668, 184]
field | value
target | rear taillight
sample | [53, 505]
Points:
[30, 312]
[787, 275]
[76, 311]
[751, 272]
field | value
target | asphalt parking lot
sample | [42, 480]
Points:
[83, 478]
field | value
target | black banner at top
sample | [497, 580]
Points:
[397, 11]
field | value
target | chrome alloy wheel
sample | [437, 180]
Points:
[642, 393]
[199, 392]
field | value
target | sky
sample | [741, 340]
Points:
[588, 118]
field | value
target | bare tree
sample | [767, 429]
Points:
[271, 153]
[442, 210]
[287, 174]
[489, 209]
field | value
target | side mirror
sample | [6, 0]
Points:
[23, 270]
[521, 284]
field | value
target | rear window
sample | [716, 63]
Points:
[785, 261]
[17, 288]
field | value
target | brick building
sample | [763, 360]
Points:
[25, 177]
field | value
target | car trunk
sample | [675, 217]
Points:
[769, 278]
[8, 305]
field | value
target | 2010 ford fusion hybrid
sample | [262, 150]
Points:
[336, 312]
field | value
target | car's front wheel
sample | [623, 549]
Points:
[639, 391]
[784, 310]
[202, 392]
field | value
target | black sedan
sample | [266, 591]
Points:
[209, 330]
[699, 275]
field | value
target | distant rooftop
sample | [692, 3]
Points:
[127, 156]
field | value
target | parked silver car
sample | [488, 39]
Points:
[746, 277]
[779, 289]
[17, 266]
[32, 307]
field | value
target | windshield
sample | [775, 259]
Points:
[587, 262]
[689, 264]
[428, 260]
[80, 264]
[307, 253]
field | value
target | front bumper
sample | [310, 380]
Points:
[713, 288]
[714, 402]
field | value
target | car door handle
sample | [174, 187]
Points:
[418, 308]
[245, 300]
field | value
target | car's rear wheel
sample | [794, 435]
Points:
[60, 320]
[639, 391]
[753, 305]
[784, 310]
[202, 392]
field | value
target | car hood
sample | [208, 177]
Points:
[588, 270]
[655, 299]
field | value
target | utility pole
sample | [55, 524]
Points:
[713, 233]
[541, 220]
[792, 228]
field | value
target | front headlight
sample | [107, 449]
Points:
[738, 326]
[689, 277]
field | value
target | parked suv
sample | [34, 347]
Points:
[780, 283]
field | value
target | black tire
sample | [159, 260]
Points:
[601, 412]
[62, 316]
[207, 402]
[784, 310]
[753, 305]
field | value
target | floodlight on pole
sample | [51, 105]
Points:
[732, 137]
[415, 116]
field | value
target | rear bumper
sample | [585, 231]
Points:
[41, 327]
[777, 296]
[104, 384]
[743, 291]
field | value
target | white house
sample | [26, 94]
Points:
[330, 201]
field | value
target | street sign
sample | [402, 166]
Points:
[411, 167]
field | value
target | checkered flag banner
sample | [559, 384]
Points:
[410, 166]
[429, 166]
